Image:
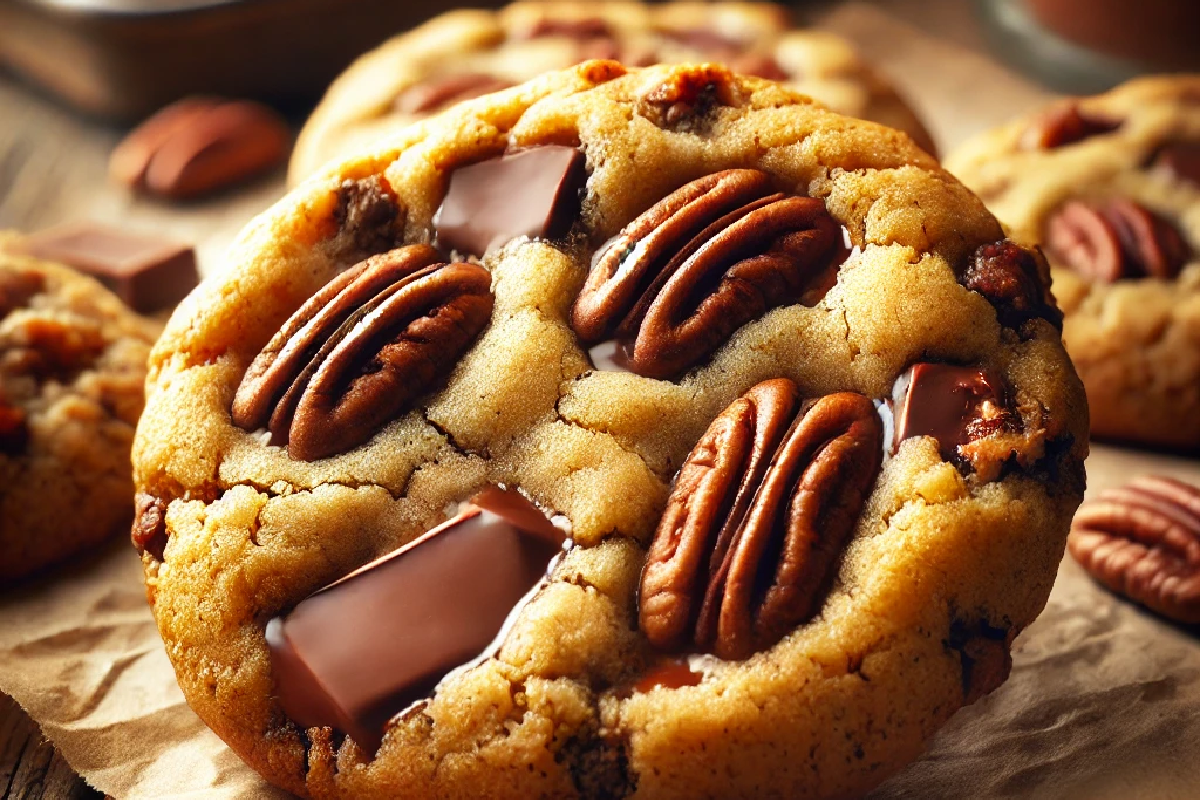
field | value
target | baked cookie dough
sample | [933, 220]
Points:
[566, 294]
[467, 53]
[1111, 187]
[72, 363]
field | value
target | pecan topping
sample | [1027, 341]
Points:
[149, 530]
[17, 289]
[14, 428]
[710, 257]
[1120, 239]
[1008, 276]
[361, 349]
[1065, 125]
[758, 516]
[1142, 541]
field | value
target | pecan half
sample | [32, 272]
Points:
[758, 515]
[361, 349]
[1120, 239]
[705, 260]
[1008, 276]
[1064, 125]
[149, 530]
[1142, 541]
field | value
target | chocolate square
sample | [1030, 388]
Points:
[359, 651]
[149, 273]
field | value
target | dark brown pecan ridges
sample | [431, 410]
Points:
[361, 349]
[1142, 541]
[1114, 240]
[756, 520]
[715, 254]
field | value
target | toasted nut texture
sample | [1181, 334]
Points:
[757, 518]
[1113, 198]
[200, 145]
[72, 364]
[1120, 239]
[354, 356]
[1014, 279]
[703, 261]
[1142, 541]
[858, 611]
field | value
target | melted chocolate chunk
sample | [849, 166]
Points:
[149, 273]
[532, 193]
[945, 402]
[359, 651]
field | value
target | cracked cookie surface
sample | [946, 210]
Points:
[464, 54]
[951, 555]
[1110, 185]
[72, 364]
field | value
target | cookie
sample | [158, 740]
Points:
[72, 363]
[464, 54]
[1111, 187]
[538, 354]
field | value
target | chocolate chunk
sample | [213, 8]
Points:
[1064, 125]
[436, 94]
[1181, 159]
[148, 272]
[531, 193]
[367, 213]
[944, 402]
[359, 651]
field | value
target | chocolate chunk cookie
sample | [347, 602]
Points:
[1110, 185]
[465, 54]
[72, 363]
[629, 433]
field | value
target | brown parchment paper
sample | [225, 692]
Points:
[1103, 702]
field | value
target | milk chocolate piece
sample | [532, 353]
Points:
[361, 650]
[531, 193]
[942, 401]
[148, 272]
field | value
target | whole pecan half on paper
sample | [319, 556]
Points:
[715, 254]
[1142, 541]
[1119, 239]
[759, 513]
[361, 349]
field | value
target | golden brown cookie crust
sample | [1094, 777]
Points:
[942, 571]
[72, 363]
[360, 106]
[1136, 343]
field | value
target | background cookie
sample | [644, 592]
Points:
[72, 362]
[464, 54]
[1111, 186]
[954, 551]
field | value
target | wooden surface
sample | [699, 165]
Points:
[30, 767]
